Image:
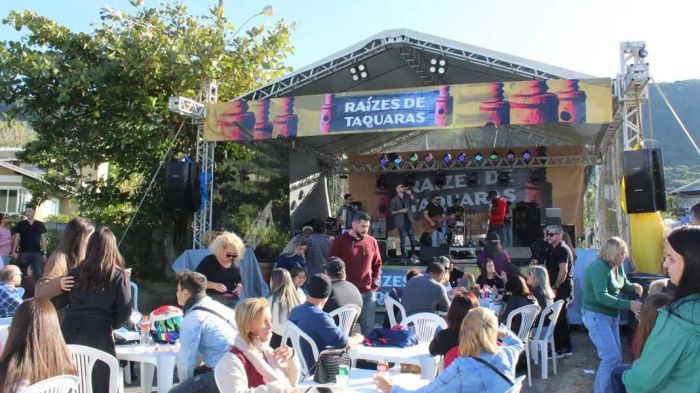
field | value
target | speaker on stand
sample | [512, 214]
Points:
[182, 187]
[644, 180]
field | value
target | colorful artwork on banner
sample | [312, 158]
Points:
[442, 107]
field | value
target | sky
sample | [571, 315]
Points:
[579, 35]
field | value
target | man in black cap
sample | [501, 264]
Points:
[497, 215]
[312, 320]
[343, 292]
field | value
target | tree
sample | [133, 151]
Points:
[102, 97]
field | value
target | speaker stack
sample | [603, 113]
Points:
[644, 180]
[526, 223]
[182, 187]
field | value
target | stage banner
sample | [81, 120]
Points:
[435, 107]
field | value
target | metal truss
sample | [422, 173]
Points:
[202, 221]
[504, 164]
[187, 107]
[632, 91]
[375, 46]
[415, 62]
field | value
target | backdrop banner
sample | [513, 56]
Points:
[435, 107]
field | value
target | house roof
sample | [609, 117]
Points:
[690, 188]
[400, 59]
[22, 171]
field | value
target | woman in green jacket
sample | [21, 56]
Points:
[603, 283]
[671, 355]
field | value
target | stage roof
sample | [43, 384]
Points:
[400, 59]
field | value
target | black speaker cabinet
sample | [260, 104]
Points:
[382, 249]
[644, 180]
[182, 186]
[526, 223]
[429, 254]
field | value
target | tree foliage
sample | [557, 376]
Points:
[103, 96]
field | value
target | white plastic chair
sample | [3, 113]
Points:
[425, 325]
[545, 335]
[135, 295]
[527, 318]
[58, 384]
[517, 385]
[85, 359]
[390, 304]
[296, 335]
[347, 316]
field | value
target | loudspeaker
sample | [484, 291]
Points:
[526, 223]
[644, 180]
[428, 254]
[182, 186]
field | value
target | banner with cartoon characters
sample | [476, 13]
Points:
[436, 107]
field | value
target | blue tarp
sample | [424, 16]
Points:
[254, 284]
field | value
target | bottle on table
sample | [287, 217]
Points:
[145, 327]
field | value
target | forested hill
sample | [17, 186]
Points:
[681, 161]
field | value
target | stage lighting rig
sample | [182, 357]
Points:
[414, 157]
[510, 156]
[462, 157]
[395, 158]
[503, 178]
[447, 158]
[359, 72]
[527, 156]
[428, 157]
[383, 160]
[472, 179]
[438, 66]
[478, 157]
[493, 156]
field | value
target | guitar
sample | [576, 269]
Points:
[427, 227]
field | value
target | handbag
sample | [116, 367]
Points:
[494, 369]
[328, 363]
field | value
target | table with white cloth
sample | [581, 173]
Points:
[162, 357]
[362, 381]
[418, 355]
[492, 304]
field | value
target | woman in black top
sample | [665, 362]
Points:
[99, 301]
[519, 296]
[224, 282]
[449, 338]
[489, 276]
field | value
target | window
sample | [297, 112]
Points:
[13, 200]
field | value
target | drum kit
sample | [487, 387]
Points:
[458, 228]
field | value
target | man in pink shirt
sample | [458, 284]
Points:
[363, 261]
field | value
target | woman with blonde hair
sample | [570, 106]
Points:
[251, 365]
[35, 349]
[603, 284]
[483, 365]
[284, 297]
[224, 282]
[538, 281]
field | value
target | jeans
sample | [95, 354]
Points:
[202, 383]
[604, 331]
[367, 315]
[407, 230]
[507, 240]
[616, 378]
[437, 237]
[35, 259]
[4, 260]
[562, 334]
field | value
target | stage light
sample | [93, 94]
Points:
[438, 66]
[428, 157]
[643, 52]
[440, 180]
[472, 179]
[447, 158]
[462, 157]
[494, 155]
[503, 178]
[395, 158]
[527, 156]
[510, 156]
[478, 157]
[359, 72]
[414, 157]
[383, 160]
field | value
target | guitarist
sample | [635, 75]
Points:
[433, 217]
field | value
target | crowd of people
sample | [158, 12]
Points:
[83, 293]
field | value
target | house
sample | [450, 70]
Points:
[14, 192]
[687, 196]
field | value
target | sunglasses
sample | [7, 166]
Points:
[551, 234]
[231, 256]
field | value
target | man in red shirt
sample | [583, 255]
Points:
[363, 261]
[497, 216]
